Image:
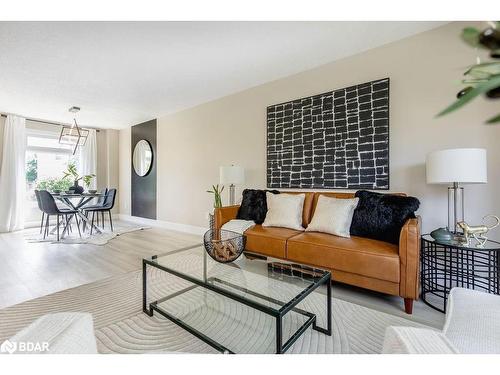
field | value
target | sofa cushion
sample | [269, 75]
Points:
[284, 210]
[253, 205]
[381, 216]
[356, 255]
[333, 216]
[269, 240]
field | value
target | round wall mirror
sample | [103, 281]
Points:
[142, 158]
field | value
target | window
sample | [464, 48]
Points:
[46, 161]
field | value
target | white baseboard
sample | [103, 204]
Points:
[164, 224]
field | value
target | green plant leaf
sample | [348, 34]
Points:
[473, 81]
[485, 70]
[470, 35]
[481, 88]
[494, 119]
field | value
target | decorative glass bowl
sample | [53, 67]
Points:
[224, 246]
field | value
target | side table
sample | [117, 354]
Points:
[445, 265]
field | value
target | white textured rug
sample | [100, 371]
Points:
[121, 327]
[73, 238]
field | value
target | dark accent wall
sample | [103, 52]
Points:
[144, 188]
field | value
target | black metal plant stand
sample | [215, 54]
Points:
[444, 266]
[210, 283]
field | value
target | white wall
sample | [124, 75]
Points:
[107, 161]
[2, 124]
[423, 69]
[125, 160]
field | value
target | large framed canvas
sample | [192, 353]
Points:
[335, 140]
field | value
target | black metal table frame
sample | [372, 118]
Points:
[277, 314]
[66, 199]
[444, 266]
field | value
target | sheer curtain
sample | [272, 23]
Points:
[13, 174]
[87, 158]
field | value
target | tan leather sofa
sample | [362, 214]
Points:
[367, 263]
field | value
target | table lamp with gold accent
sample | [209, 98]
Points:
[455, 167]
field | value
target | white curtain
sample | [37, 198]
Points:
[87, 158]
[13, 175]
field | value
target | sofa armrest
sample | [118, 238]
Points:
[224, 214]
[409, 258]
[409, 340]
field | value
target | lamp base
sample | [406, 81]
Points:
[231, 194]
[455, 206]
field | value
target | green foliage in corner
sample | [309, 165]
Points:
[480, 79]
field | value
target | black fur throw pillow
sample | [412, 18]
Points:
[381, 216]
[254, 205]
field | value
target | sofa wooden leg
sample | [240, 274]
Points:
[408, 305]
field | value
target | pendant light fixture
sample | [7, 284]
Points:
[73, 135]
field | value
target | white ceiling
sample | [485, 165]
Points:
[124, 73]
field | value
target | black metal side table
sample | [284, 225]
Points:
[445, 265]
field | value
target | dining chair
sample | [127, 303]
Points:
[98, 204]
[50, 207]
[107, 206]
[39, 201]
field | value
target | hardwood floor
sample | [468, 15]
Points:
[29, 270]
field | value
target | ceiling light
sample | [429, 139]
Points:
[73, 135]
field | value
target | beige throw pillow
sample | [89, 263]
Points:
[284, 210]
[333, 216]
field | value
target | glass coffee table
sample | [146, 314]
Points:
[271, 299]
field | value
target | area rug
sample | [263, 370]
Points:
[73, 238]
[122, 327]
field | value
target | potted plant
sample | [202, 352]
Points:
[72, 172]
[216, 191]
[55, 185]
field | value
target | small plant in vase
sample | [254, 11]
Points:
[216, 191]
[72, 172]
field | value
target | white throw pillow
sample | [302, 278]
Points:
[284, 210]
[333, 216]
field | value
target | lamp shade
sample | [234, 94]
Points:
[462, 165]
[231, 174]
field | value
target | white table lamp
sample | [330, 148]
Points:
[231, 175]
[456, 166]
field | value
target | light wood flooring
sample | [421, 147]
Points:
[29, 270]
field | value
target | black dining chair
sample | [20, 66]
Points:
[39, 201]
[50, 207]
[98, 204]
[107, 206]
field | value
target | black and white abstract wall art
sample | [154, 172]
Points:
[335, 140]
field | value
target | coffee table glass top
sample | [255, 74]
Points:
[271, 283]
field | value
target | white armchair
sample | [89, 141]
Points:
[472, 326]
[60, 333]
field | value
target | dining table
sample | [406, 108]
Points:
[77, 202]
